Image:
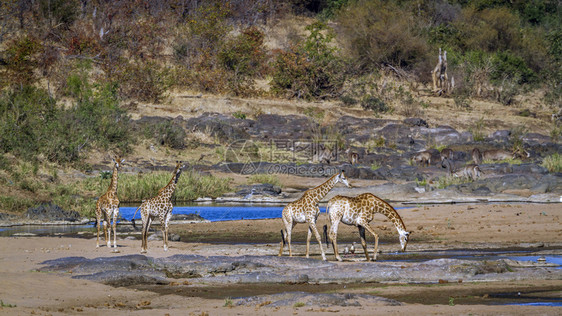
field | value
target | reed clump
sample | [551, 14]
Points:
[138, 187]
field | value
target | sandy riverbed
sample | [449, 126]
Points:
[528, 226]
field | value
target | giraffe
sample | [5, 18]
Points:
[359, 211]
[306, 210]
[161, 206]
[108, 205]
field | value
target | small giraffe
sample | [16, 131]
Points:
[306, 210]
[359, 211]
[108, 205]
[161, 206]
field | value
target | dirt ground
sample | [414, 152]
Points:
[25, 291]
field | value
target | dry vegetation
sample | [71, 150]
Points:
[73, 74]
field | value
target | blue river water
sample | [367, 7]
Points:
[219, 213]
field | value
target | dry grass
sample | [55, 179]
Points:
[495, 115]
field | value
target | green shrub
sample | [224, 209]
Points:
[239, 115]
[21, 57]
[144, 81]
[244, 54]
[511, 67]
[311, 69]
[490, 29]
[167, 133]
[553, 163]
[348, 100]
[373, 103]
[16, 204]
[31, 124]
[381, 32]
[24, 115]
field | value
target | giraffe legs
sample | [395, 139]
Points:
[146, 220]
[312, 226]
[105, 230]
[308, 237]
[98, 219]
[289, 225]
[364, 243]
[165, 222]
[114, 226]
[334, 239]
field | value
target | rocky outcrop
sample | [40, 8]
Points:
[51, 212]
[138, 269]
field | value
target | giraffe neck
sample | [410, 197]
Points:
[114, 177]
[167, 191]
[388, 211]
[316, 194]
[391, 213]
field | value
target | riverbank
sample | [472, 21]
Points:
[437, 231]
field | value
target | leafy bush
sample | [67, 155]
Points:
[490, 29]
[21, 57]
[245, 54]
[144, 81]
[508, 66]
[373, 103]
[553, 163]
[380, 32]
[31, 124]
[24, 115]
[310, 69]
[167, 133]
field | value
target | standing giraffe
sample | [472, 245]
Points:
[161, 206]
[359, 211]
[306, 210]
[108, 205]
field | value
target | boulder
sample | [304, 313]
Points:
[51, 212]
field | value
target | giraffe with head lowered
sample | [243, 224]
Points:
[359, 211]
[306, 210]
[108, 206]
[159, 206]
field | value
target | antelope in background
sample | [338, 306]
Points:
[497, 154]
[352, 156]
[446, 153]
[422, 158]
[471, 171]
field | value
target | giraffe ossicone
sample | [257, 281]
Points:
[159, 206]
[108, 206]
[359, 211]
[306, 210]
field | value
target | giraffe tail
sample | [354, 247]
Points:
[326, 235]
[136, 212]
[283, 238]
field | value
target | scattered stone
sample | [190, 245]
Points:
[315, 299]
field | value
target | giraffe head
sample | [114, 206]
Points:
[118, 161]
[404, 237]
[341, 178]
[179, 166]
